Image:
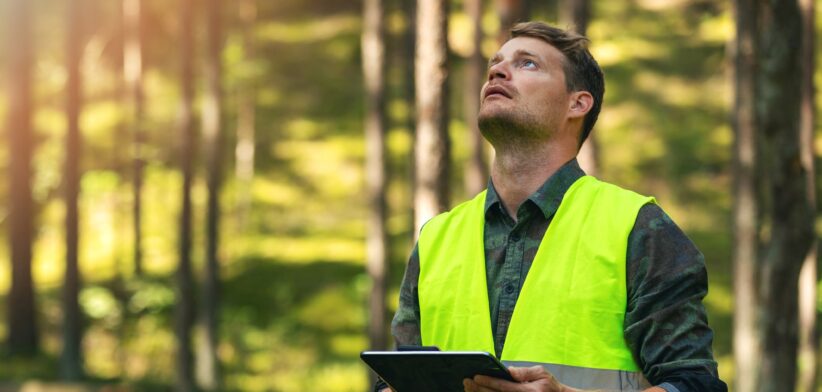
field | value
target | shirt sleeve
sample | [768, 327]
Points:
[406, 323]
[666, 325]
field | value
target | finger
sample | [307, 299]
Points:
[469, 385]
[529, 374]
[496, 384]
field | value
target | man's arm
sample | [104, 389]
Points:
[405, 327]
[666, 323]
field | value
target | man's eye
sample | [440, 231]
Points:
[528, 64]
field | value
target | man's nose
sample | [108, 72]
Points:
[499, 71]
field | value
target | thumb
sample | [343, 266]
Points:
[532, 373]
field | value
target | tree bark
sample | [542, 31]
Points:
[808, 337]
[745, 208]
[133, 72]
[476, 173]
[22, 326]
[785, 204]
[510, 13]
[373, 61]
[575, 14]
[409, 41]
[432, 143]
[71, 361]
[184, 290]
[208, 365]
[246, 114]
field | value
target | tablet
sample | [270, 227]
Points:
[411, 371]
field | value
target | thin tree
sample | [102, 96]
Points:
[777, 217]
[789, 230]
[432, 144]
[246, 113]
[409, 43]
[133, 72]
[746, 343]
[476, 173]
[71, 359]
[373, 63]
[184, 309]
[510, 13]
[208, 366]
[22, 325]
[808, 337]
[575, 14]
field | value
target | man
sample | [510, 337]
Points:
[575, 283]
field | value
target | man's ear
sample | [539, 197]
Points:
[580, 104]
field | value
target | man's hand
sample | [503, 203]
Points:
[531, 379]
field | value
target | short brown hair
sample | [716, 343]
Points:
[582, 73]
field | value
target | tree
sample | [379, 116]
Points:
[133, 72]
[808, 338]
[575, 14]
[246, 110]
[22, 332]
[772, 212]
[476, 173]
[745, 207]
[432, 144]
[373, 63]
[790, 219]
[208, 367]
[409, 43]
[184, 290]
[510, 13]
[71, 362]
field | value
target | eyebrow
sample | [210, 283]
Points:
[518, 53]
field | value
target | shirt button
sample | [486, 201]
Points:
[514, 237]
[509, 289]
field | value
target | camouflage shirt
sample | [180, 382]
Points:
[666, 324]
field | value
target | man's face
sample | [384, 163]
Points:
[525, 93]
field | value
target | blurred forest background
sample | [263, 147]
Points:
[197, 179]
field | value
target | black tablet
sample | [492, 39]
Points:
[412, 371]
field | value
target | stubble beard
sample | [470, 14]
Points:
[510, 131]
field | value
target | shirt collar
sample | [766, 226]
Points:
[550, 193]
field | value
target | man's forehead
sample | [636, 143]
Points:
[526, 46]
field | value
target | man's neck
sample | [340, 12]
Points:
[517, 175]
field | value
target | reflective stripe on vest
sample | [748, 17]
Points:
[571, 307]
[592, 379]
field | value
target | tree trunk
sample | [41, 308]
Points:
[785, 204]
[745, 208]
[808, 338]
[575, 14]
[246, 113]
[22, 327]
[510, 13]
[432, 143]
[71, 362]
[373, 61]
[184, 290]
[476, 173]
[409, 40]
[208, 366]
[133, 71]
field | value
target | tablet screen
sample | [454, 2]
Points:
[410, 371]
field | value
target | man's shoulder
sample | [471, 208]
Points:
[464, 207]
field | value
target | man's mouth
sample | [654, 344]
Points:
[496, 90]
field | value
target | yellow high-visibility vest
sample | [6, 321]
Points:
[571, 309]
